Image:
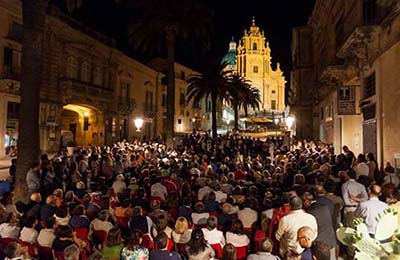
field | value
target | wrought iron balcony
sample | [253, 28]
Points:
[11, 72]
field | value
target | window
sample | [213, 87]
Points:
[98, 76]
[124, 92]
[255, 69]
[149, 101]
[369, 86]
[273, 91]
[164, 100]
[8, 54]
[322, 113]
[183, 76]
[85, 71]
[16, 32]
[254, 46]
[273, 104]
[72, 68]
[208, 108]
[13, 110]
[182, 99]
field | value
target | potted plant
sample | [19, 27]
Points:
[384, 245]
[71, 147]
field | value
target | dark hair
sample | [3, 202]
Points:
[64, 231]
[49, 222]
[285, 197]
[351, 173]
[212, 222]
[229, 252]
[113, 237]
[29, 221]
[296, 203]
[330, 186]
[161, 240]
[237, 227]
[11, 250]
[197, 243]
[62, 211]
[35, 164]
[134, 241]
[78, 210]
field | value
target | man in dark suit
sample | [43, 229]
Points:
[325, 243]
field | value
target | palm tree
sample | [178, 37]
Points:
[33, 16]
[251, 99]
[238, 90]
[161, 24]
[213, 83]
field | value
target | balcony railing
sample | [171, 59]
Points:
[11, 72]
[149, 110]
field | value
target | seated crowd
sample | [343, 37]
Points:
[244, 199]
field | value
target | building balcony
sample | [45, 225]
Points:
[11, 72]
[79, 91]
[346, 74]
[362, 44]
[149, 110]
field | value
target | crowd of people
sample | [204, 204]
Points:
[225, 198]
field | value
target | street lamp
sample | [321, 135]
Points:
[276, 120]
[138, 123]
[85, 125]
[227, 124]
[194, 123]
[289, 123]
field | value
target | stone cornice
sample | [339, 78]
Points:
[362, 45]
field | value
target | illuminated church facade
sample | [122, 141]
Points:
[251, 59]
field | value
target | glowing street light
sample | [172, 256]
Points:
[138, 123]
[276, 120]
[289, 122]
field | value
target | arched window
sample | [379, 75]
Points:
[254, 46]
[85, 71]
[72, 68]
[98, 76]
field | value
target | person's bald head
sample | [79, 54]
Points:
[50, 200]
[375, 190]
[319, 191]
[305, 236]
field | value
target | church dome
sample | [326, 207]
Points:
[230, 56]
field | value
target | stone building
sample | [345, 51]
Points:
[355, 51]
[91, 92]
[187, 115]
[251, 58]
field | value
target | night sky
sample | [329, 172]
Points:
[277, 19]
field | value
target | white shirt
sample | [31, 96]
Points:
[361, 169]
[118, 186]
[200, 218]
[214, 236]
[288, 227]
[248, 217]
[354, 188]
[263, 256]
[369, 210]
[391, 178]
[237, 240]
[99, 225]
[28, 235]
[203, 192]
[220, 196]
[9, 230]
[46, 237]
[158, 190]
